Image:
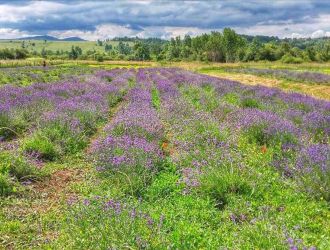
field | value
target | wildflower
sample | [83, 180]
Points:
[86, 202]
[165, 146]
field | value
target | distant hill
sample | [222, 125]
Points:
[74, 38]
[50, 38]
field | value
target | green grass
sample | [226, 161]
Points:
[248, 207]
[239, 203]
[27, 76]
[317, 67]
[54, 45]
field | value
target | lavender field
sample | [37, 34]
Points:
[162, 158]
[299, 76]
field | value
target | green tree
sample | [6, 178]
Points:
[107, 47]
[253, 50]
[75, 52]
[231, 43]
[124, 48]
[215, 48]
[141, 51]
[99, 42]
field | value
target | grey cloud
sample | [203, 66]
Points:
[139, 15]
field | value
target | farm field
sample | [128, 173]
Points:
[114, 156]
[308, 78]
[311, 88]
[39, 45]
[233, 71]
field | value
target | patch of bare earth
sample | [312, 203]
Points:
[39, 208]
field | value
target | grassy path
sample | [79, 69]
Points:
[317, 91]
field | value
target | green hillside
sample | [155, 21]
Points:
[38, 45]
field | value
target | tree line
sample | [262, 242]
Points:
[226, 46]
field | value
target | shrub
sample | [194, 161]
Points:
[164, 185]
[287, 58]
[113, 99]
[250, 103]
[231, 98]
[41, 146]
[16, 166]
[11, 168]
[6, 185]
[57, 137]
[265, 134]
[11, 126]
[109, 223]
[99, 58]
[222, 182]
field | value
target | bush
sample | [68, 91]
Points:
[57, 138]
[11, 126]
[11, 168]
[250, 103]
[41, 146]
[99, 58]
[6, 185]
[231, 98]
[287, 58]
[222, 182]
[262, 134]
[5, 130]
[16, 166]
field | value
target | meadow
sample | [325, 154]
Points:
[154, 156]
[39, 45]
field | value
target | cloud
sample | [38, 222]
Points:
[320, 33]
[108, 31]
[291, 29]
[102, 32]
[12, 33]
[99, 19]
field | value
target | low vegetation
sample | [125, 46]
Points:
[226, 46]
[159, 158]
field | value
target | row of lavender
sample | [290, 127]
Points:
[131, 140]
[295, 127]
[308, 113]
[223, 148]
[214, 188]
[305, 76]
[195, 135]
[44, 122]
[128, 153]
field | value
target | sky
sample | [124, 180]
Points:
[92, 20]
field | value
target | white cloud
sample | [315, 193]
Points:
[101, 32]
[320, 33]
[12, 33]
[182, 31]
[106, 31]
[317, 27]
[14, 14]
[296, 35]
[145, 18]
